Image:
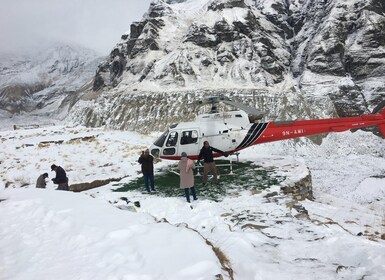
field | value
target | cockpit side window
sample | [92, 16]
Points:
[172, 139]
[160, 141]
[189, 137]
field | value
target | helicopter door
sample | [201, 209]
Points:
[171, 144]
[189, 142]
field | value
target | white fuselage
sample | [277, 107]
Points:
[224, 131]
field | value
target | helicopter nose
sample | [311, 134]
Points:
[154, 151]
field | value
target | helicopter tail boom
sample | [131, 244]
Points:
[276, 131]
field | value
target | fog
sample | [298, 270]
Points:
[96, 24]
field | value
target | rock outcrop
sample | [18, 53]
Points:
[314, 58]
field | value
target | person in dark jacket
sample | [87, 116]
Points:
[206, 154]
[40, 182]
[147, 162]
[61, 178]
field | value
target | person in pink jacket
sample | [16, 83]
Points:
[186, 167]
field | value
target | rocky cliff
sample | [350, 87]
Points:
[296, 58]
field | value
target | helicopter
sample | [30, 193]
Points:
[232, 131]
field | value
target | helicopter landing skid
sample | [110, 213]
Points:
[230, 164]
[197, 167]
[173, 171]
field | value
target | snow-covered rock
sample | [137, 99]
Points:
[315, 58]
[34, 81]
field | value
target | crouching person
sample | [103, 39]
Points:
[61, 178]
[186, 167]
[40, 182]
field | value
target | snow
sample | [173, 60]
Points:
[46, 234]
[190, 6]
[57, 63]
[72, 236]
[369, 190]
[229, 15]
[176, 51]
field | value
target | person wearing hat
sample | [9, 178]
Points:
[186, 167]
[61, 178]
[41, 183]
[147, 162]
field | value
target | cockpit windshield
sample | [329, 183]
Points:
[160, 141]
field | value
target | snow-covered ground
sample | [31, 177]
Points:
[49, 234]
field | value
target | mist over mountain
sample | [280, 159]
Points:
[45, 81]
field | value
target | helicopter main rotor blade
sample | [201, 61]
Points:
[246, 108]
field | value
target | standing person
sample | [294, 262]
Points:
[186, 167]
[209, 165]
[61, 178]
[40, 182]
[147, 162]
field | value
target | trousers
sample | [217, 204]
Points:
[187, 193]
[210, 167]
[149, 179]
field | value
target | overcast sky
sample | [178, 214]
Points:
[97, 24]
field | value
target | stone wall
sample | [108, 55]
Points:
[300, 190]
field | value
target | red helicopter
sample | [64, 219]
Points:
[232, 131]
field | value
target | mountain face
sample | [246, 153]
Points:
[292, 58]
[182, 43]
[45, 81]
